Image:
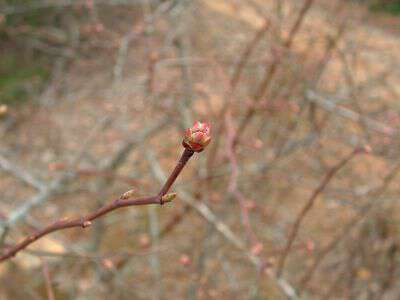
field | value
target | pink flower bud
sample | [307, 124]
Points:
[197, 137]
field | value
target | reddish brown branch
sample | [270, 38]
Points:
[246, 54]
[86, 221]
[270, 73]
[333, 243]
[233, 188]
[186, 155]
[47, 280]
[309, 204]
[175, 220]
[231, 84]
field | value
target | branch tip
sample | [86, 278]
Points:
[197, 137]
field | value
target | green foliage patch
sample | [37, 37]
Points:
[23, 70]
[392, 7]
[20, 78]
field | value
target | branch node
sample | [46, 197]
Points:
[168, 198]
[196, 139]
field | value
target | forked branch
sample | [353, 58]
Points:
[310, 203]
[196, 138]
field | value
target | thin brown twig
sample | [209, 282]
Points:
[21, 174]
[247, 53]
[309, 204]
[47, 280]
[272, 69]
[86, 221]
[233, 181]
[54, 185]
[390, 273]
[344, 112]
[375, 193]
[226, 232]
[230, 86]
[175, 220]
[228, 124]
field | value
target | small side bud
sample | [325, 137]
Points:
[168, 197]
[86, 224]
[366, 149]
[108, 263]
[128, 194]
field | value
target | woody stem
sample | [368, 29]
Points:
[186, 155]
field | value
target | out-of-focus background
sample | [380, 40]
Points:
[296, 197]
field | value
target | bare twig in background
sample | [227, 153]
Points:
[247, 54]
[309, 204]
[199, 267]
[154, 258]
[175, 220]
[155, 243]
[122, 54]
[24, 176]
[184, 104]
[4, 236]
[115, 162]
[47, 280]
[233, 184]
[375, 194]
[331, 106]
[223, 229]
[271, 71]
[54, 186]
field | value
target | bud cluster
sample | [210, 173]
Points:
[197, 137]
